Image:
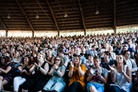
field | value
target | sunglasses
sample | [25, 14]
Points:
[58, 59]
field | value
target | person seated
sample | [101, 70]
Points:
[89, 62]
[57, 71]
[97, 77]
[106, 61]
[7, 72]
[39, 75]
[121, 76]
[77, 72]
[23, 74]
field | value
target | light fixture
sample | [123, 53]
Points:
[66, 15]
[8, 17]
[97, 12]
[37, 17]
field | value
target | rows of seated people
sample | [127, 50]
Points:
[94, 63]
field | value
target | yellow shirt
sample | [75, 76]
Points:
[76, 78]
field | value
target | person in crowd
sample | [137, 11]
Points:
[7, 72]
[61, 54]
[89, 62]
[23, 75]
[121, 76]
[39, 75]
[49, 58]
[118, 48]
[107, 61]
[77, 72]
[56, 83]
[78, 52]
[130, 62]
[97, 77]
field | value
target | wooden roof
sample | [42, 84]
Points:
[80, 14]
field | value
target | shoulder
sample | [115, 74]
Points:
[63, 67]
[46, 64]
[83, 66]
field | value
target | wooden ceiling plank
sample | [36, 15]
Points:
[114, 27]
[53, 15]
[21, 8]
[82, 17]
[4, 26]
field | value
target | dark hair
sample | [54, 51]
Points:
[96, 57]
[125, 52]
[107, 53]
[61, 60]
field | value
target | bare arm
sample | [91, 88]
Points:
[134, 66]
[113, 74]
[32, 68]
[51, 62]
[5, 71]
[127, 74]
[51, 71]
[71, 69]
[45, 69]
[89, 77]
[70, 72]
[61, 72]
[80, 71]
[104, 79]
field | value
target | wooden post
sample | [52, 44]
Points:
[114, 28]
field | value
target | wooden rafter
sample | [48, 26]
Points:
[114, 28]
[21, 8]
[4, 26]
[80, 8]
[53, 15]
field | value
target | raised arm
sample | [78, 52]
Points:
[45, 69]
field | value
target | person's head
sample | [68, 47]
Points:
[26, 61]
[77, 59]
[118, 45]
[72, 50]
[127, 54]
[48, 53]
[3, 50]
[60, 51]
[83, 50]
[120, 60]
[97, 61]
[17, 54]
[129, 41]
[40, 57]
[59, 60]
[2, 61]
[106, 45]
[106, 56]
[7, 59]
[125, 46]
[66, 45]
[90, 57]
[77, 51]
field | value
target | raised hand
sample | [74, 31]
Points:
[72, 64]
[99, 72]
[55, 66]
[91, 71]
[111, 68]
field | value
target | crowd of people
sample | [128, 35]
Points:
[93, 63]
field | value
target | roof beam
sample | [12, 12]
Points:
[4, 26]
[82, 17]
[24, 13]
[114, 9]
[53, 15]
